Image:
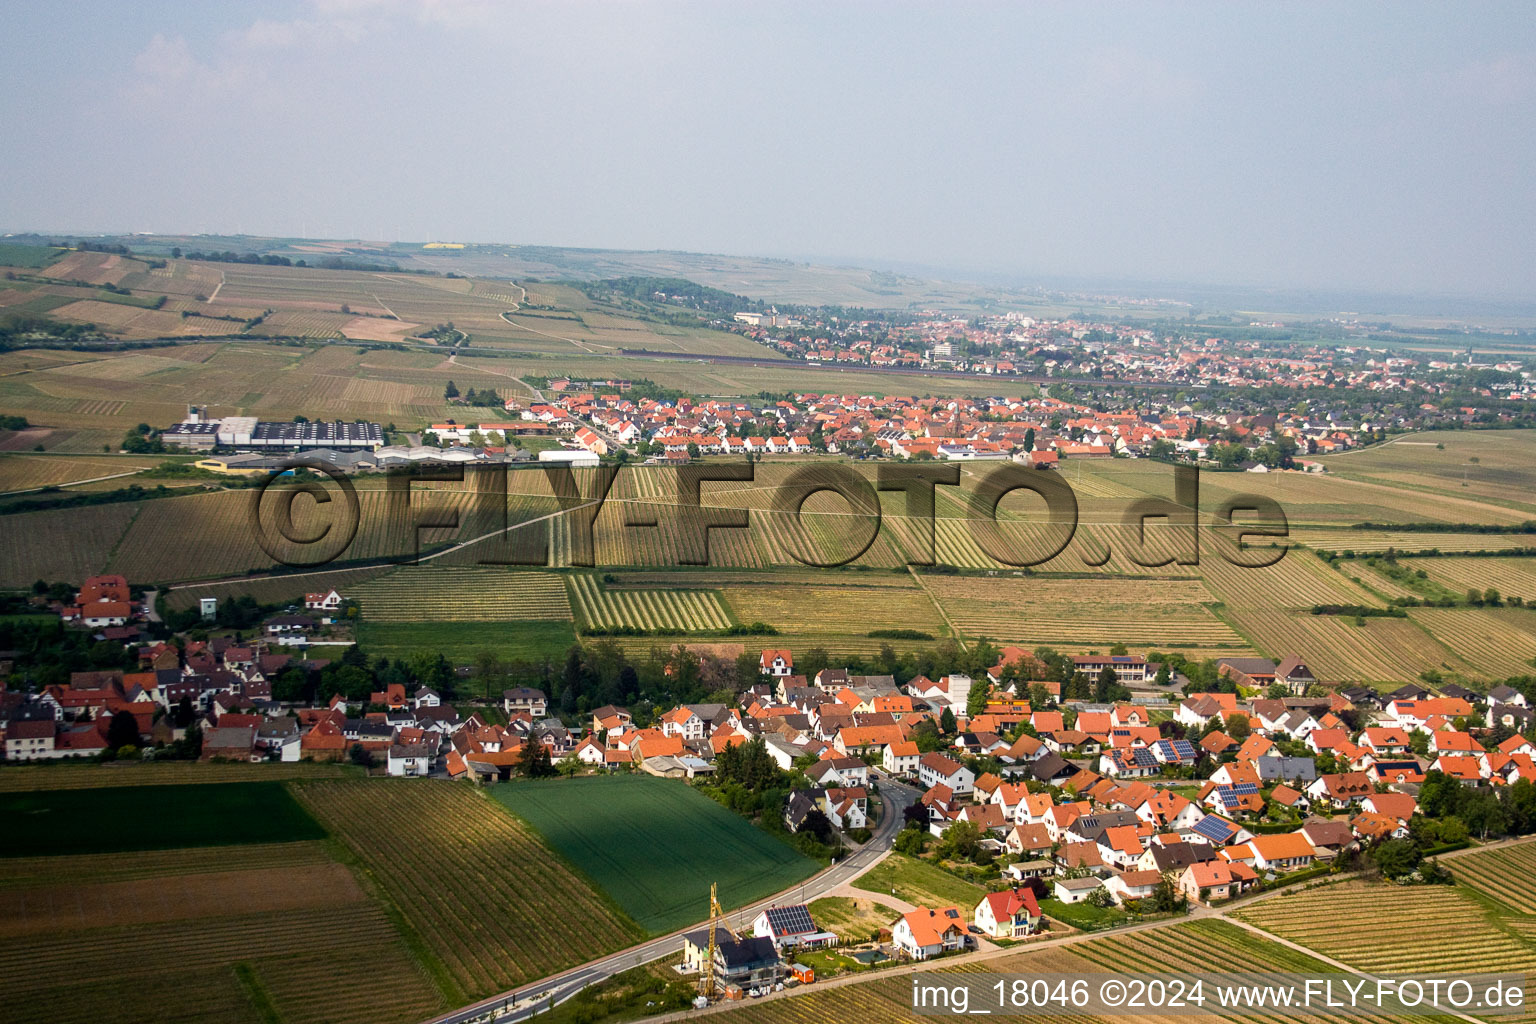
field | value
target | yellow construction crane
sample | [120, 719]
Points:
[707, 980]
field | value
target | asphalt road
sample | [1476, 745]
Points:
[560, 987]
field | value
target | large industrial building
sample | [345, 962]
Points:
[247, 433]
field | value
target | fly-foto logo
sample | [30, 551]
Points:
[696, 514]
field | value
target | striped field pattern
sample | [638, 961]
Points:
[606, 608]
[1507, 874]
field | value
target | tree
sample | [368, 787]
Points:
[960, 840]
[359, 756]
[122, 730]
[1439, 794]
[290, 684]
[819, 825]
[1101, 898]
[1396, 857]
[533, 760]
[1105, 685]
[927, 737]
[976, 701]
[451, 391]
[947, 722]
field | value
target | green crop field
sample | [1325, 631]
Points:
[131, 818]
[655, 845]
[33, 257]
[461, 641]
[448, 593]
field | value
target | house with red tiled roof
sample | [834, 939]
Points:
[325, 741]
[777, 662]
[1010, 914]
[900, 758]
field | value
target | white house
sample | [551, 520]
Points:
[900, 758]
[777, 663]
[410, 759]
[925, 933]
[684, 723]
[329, 601]
[1010, 914]
[1075, 890]
[934, 769]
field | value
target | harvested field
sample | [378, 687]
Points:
[1496, 642]
[74, 907]
[1073, 613]
[21, 472]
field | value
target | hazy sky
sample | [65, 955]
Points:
[1377, 146]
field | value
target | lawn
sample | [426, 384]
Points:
[655, 845]
[461, 641]
[1084, 915]
[851, 920]
[918, 882]
[126, 818]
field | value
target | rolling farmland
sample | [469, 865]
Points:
[1079, 613]
[606, 606]
[272, 589]
[493, 906]
[19, 472]
[1496, 642]
[1345, 922]
[444, 593]
[833, 609]
[1511, 577]
[244, 952]
[676, 842]
[1193, 947]
[61, 545]
[265, 928]
[1507, 875]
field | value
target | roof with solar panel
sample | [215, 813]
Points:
[1215, 829]
[795, 920]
